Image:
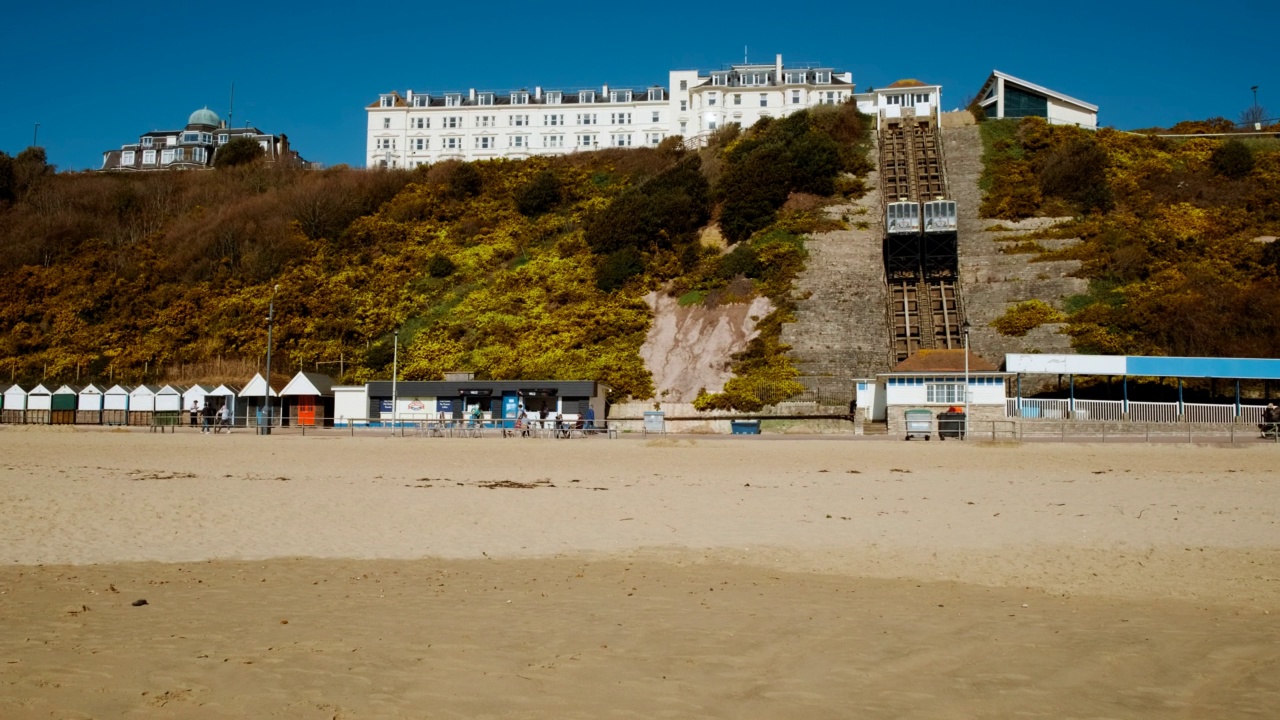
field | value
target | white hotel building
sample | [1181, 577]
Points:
[415, 128]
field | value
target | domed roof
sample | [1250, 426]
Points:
[204, 116]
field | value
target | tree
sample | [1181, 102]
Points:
[7, 189]
[239, 151]
[538, 195]
[1254, 115]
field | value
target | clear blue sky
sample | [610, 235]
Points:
[96, 75]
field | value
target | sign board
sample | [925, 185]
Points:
[417, 406]
[386, 406]
[445, 405]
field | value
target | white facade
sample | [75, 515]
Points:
[170, 398]
[350, 405]
[90, 398]
[117, 398]
[196, 394]
[39, 398]
[1005, 96]
[416, 128]
[143, 398]
[15, 398]
[938, 390]
[894, 101]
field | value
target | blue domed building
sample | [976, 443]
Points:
[195, 146]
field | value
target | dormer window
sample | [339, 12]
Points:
[795, 77]
[223, 138]
[519, 98]
[553, 97]
[191, 137]
[147, 141]
[452, 100]
[587, 96]
[720, 78]
[655, 93]
[822, 77]
[619, 96]
[421, 100]
[385, 101]
[755, 78]
[486, 98]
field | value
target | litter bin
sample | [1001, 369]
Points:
[745, 427]
[654, 422]
[951, 425]
[919, 424]
[264, 427]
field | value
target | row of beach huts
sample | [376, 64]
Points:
[306, 399]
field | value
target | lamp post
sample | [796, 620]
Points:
[395, 378]
[35, 134]
[271, 314]
[964, 328]
[1254, 89]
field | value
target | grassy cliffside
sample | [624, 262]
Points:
[1176, 235]
[525, 269]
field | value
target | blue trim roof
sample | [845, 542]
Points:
[1192, 367]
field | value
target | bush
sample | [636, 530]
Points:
[663, 213]
[1024, 317]
[1232, 159]
[618, 267]
[465, 182]
[539, 195]
[1077, 172]
[440, 266]
[239, 151]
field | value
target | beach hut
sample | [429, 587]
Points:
[15, 405]
[115, 405]
[226, 395]
[142, 404]
[196, 394]
[39, 405]
[89, 405]
[308, 400]
[254, 399]
[63, 405]
[169, 405]
[350, 405]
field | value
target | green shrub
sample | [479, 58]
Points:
[1026, 316]
[440, 266]
[1232, 159]
[539, 195]
[618, 267]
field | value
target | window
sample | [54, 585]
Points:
[519, 120]
[453, 122]
[712, 124]
[711, 98]
[586, 118]
[921, 98]
[764, 100]
[386, 123]
[553, 98]
[893, 100]
[223, 139]
[179, 155]
[795, 78]
[452, 143]
[586, 141]
[737, 98]
[620, 140]
[127, 157]
[421, 100]
[421, 143]
[518, 141]
[166, 157]
[519, 98]
[822, 77]
[620, 118]
[385, 101]
[206, 138]
[486, 98]
[485, 121]
[421, 123]
[485, 143]
[148, 157]
[684, 127]
[619, 96]
[755, 78]
[191, 137]
[653, 138]
[197, 154]
[587, 96]
[386, 143]
[720, 78]
[829, 97]
[684, 84]
[795, 97]
[452, 100]
[655, 116]
[552, 120]
[948, 393]
[655, 93]
[684, 106]
[552, 141]
[146, 141]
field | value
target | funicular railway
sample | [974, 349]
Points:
[920, 247]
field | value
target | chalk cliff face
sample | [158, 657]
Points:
[691, 347]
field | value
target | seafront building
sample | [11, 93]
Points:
[194, 146]
[412, 128]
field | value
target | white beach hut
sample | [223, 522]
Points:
[308, 400]
[89, 405]
[350, 405]
[254, 398]
[39, 405]
[197, 394]
[169, 405]
[142, 404]
[15, 405]
[226, 395]
[115, 405]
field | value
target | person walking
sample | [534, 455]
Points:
[224, 419]
[206, 416]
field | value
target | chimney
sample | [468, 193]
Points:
[605, 91]
[537, 92]
[777, 69]
[472, 94]
[408, 97]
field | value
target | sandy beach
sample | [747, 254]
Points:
[380, 577]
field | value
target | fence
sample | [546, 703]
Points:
[1138, 412]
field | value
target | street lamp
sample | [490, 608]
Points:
[271, 313]
[395, 378]
[964, 328]
[1254, 89]
[35, 134]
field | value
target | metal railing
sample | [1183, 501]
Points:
[1033, 409]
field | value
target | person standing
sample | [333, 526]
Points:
[195, 412]
[206, 415]
[591, 420]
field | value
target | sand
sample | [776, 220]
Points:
[382, 577]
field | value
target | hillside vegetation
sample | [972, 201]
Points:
[528, 269]
[1176, 235]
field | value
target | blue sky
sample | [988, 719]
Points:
[96, 75]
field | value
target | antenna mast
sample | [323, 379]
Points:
[231, 111]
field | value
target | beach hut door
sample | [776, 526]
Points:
[306, 410]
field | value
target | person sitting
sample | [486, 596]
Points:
[1270, 425]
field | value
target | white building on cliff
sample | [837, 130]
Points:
[407, 130]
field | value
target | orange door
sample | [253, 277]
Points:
[306, 410]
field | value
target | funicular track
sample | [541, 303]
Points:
[925, 305]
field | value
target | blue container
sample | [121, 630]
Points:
[745, 427]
